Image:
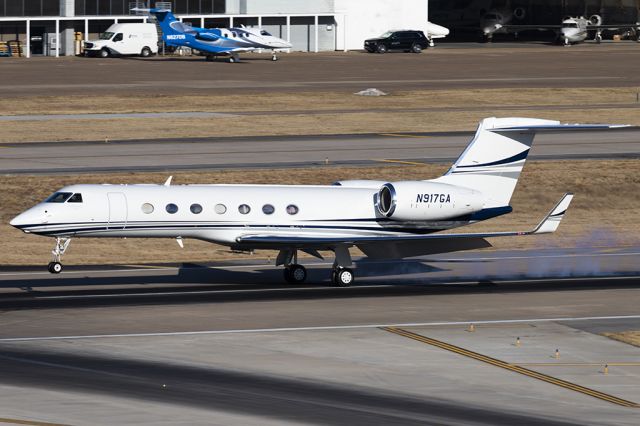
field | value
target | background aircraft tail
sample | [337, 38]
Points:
[169, 24]
[494, 159]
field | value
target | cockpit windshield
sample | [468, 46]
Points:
[106, 36]
[570, 25]
[59, 197]
[75, 198]
[264, 33]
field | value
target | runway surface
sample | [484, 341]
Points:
[229, 343]
[291, 151]
[541, 66]
[229, 296]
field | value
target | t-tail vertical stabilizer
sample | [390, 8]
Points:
[494, 159]
[172, 28]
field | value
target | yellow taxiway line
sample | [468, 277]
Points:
[579, 364]
[511, 367]
[27, 422]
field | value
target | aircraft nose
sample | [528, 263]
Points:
[32, 216]
[18, 220]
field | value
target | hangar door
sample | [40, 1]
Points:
[117, 210]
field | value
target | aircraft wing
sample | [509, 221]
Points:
[613, 26]
[531, 27]
[445, 242]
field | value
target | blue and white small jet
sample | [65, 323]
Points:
[216, 41]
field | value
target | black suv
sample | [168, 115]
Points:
[409, 41]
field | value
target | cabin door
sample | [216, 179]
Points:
[117, 210]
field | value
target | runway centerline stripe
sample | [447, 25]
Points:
[315, 328]
[511, 367]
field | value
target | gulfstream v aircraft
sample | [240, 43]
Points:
[384, 219]
[216, 41]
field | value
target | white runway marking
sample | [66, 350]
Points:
[318, 328]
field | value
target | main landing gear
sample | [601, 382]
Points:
[55, 267]
[294, 273]
[274, 56]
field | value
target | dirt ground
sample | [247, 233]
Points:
[307, 113]
[630, 337]
[605, 211]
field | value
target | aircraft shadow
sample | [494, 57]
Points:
[192, 284]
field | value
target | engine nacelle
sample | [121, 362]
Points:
[519, 13]
[419, 201]
[595, 20]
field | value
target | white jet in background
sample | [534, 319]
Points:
[433, 31]
[389, 220]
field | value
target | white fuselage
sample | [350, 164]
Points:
[146, 211]
[433, 31]
[574, 30]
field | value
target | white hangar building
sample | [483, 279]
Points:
[53, 27]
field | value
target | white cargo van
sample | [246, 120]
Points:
[124, 39]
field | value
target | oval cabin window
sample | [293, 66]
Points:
[172, 208]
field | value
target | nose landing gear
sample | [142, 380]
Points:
[55, 266]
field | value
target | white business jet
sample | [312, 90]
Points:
[433, 31]
[384, 219]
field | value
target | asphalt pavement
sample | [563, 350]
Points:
[291, 151]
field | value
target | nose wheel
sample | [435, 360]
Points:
[55, 266]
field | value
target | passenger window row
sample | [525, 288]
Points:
[267, 209]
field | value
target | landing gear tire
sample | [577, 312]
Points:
[295, 274]
[416, 48]
[104, 53]
[342, 277]
[146, 52]
[274, 58]
[55, 267]
[598, 38]
[382, 48]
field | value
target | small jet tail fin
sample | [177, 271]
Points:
[169, 24]
[494, 159]
[551, 222]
